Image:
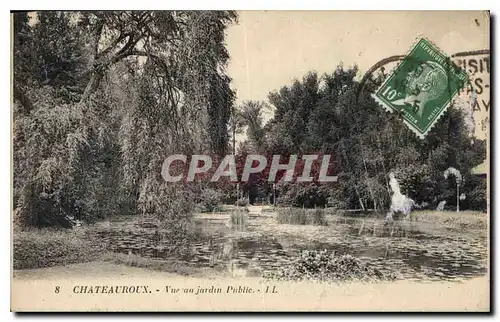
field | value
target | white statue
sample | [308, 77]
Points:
[399, 202]
[441, 205]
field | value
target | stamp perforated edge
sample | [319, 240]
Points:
[389, 109]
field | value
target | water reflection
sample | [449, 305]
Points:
[235, 245]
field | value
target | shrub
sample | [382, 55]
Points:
[243, 202]
[475, 190]
[416, 181]
[336, 203]
[302, 195]
[20, 219]
[300, 216]
[49, 247]
[209, 200]
[325, 266]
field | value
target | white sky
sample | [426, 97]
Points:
[270, 48]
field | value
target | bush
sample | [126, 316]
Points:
[209, 200]
[300, 216]
[475, 190]
[324, 266]
[302, 195]
[416, 181]
[242, 202]
[49, 247]
[20, 220]
[336, 203]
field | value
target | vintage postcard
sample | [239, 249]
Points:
[250, 161]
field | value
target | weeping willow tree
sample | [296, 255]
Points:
[101, 98]
[183, 106]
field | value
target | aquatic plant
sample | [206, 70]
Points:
[238, 220]
[325, 266]
[301, 216]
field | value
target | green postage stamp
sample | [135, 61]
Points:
[421, 87]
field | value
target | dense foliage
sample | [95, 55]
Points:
[332, 115]
[49, 247]
[101, 98]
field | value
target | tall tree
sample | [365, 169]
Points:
[72, 137]
[251, 115]
[331, 115]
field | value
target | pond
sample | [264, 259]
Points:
[411, 250]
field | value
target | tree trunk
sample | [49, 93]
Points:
[367, 178]
[93, 83]
[234, 141]
[348, 164]
[383, 166]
